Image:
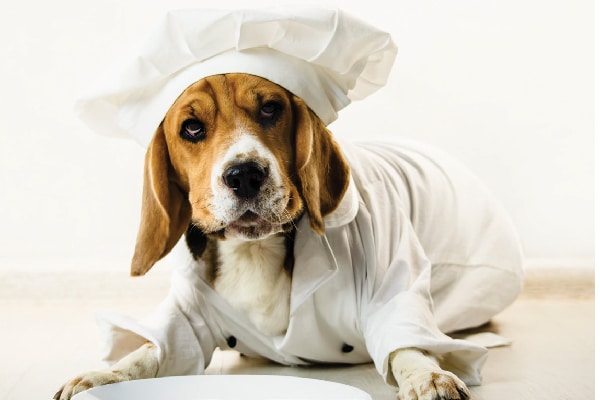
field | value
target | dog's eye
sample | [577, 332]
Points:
[270, 110]
[192, 130]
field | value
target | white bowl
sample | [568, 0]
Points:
[224, 387]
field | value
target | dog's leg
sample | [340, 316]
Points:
[420, 377]
[139, 364]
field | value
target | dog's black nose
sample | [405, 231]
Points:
[245, 179]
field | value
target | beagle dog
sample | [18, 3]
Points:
[234, 165]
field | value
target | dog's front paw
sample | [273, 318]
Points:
[433, 385]
[88, 381]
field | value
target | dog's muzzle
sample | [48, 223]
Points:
[249, 198]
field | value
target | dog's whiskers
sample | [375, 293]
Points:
[290, 219]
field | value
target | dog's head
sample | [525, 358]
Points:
[236, 156]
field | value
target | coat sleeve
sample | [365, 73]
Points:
[399, 308]
[177, 328]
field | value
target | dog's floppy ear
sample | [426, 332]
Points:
[166, 211]
[323, 172]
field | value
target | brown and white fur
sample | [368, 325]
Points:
[235, 163]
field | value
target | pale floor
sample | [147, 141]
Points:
[48, 334]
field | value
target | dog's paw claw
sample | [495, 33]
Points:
[428, 385]
[463, 393]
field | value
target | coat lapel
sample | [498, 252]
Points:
[314, 264]
[314, 261]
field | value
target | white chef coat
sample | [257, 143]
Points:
[416, 248]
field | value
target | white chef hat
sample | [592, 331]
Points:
[324, 56]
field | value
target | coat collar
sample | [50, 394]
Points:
[346, 210]
[315, 262]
